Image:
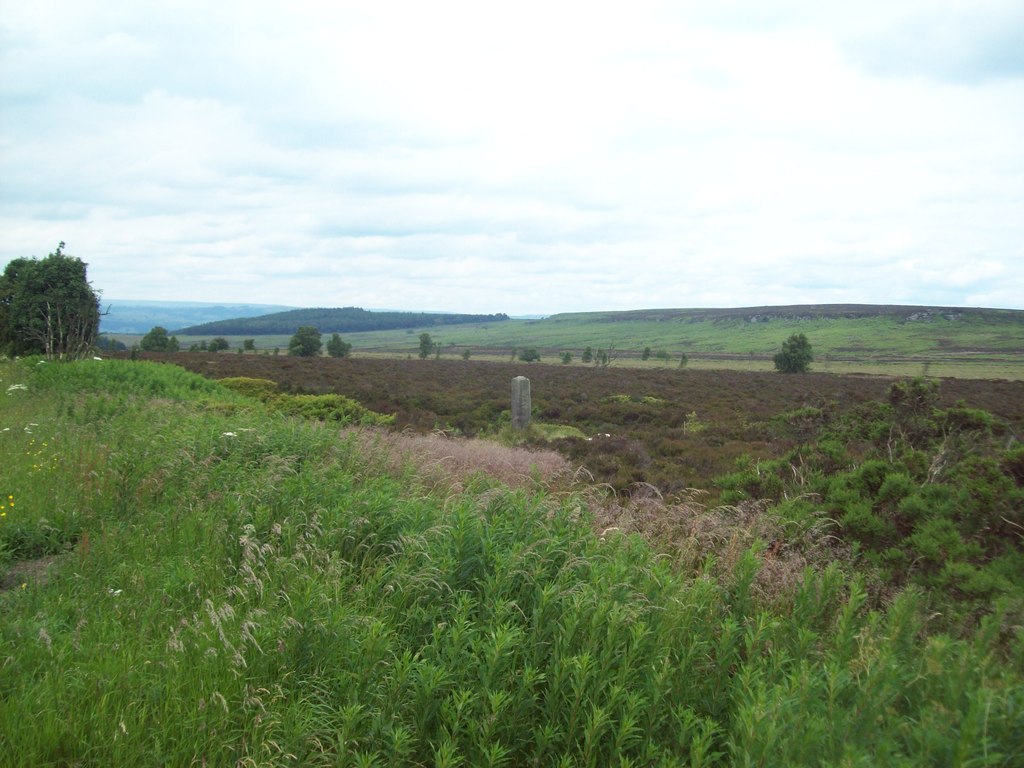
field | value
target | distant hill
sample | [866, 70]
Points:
[343, 320]
[797, 312]
[137, 316]
[890, 339]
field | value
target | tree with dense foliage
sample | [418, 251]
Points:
[156, 340]
[249, 345]
[106, 344]
[529, 355]
[566, 358]
[48, 307]
[305, 342]
[588, 354]
[646, 354]
[218, 344]
[795, 356]
[426, 346]
[336, 347]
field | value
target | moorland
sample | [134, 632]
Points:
[225, 573]
[670, 427]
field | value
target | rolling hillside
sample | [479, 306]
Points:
[344, 320]
[844, 337]
[135, 316]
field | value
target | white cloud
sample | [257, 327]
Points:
[537, 157]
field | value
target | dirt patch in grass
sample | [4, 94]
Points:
[35, 572]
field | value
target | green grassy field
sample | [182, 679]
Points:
[190, 578]
[975, 344]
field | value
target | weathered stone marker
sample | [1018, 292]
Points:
[520, 402]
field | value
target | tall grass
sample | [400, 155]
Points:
[240, 588]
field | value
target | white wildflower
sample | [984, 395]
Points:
[17, 388]
[229, 434]
[114, 592]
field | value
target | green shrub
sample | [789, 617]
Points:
[869, 477]
[1012, 464]
[859, 520]
[936, 542]
[894, 488]
[930, 501]
[334, 408]
[752, 480]
[260, 389]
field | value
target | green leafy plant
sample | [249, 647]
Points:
[305, 342]
[336, 347]
[795, 356]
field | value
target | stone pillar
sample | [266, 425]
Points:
[520, 402]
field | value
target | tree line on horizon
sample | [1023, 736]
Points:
[341, 320]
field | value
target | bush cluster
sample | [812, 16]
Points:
[333, 408]
[929, 496]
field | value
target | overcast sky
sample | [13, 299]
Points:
[527, 157]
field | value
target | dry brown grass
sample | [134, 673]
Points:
[439, 460]
[700, 538]
[697, 537]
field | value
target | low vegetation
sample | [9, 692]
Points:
[228, 584]
[672, 428]
[932, 497]
[329, 407]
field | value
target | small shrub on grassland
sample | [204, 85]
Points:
[259, 389]
[335, 408]
[331, 407]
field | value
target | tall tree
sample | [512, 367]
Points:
[305, 342]
[426, 346]
[156, 340]
[336, 347]
[47, 306]
[795, 356]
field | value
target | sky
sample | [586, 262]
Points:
[527, 158]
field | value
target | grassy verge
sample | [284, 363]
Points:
[238, 586]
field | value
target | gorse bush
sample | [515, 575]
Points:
[334, 408]
[244, 588]
[259, 389]
[928, 495]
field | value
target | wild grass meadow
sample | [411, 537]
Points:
[192, 576]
